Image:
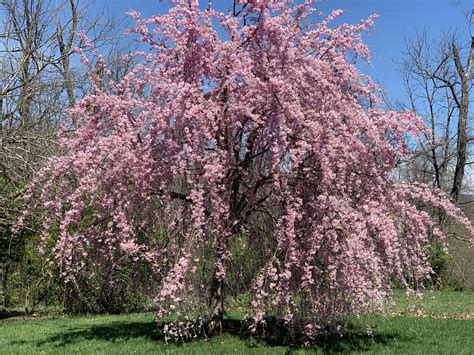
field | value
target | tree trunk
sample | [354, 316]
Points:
[216, 306]
[461, 153]
[3, 284]
[461, 149]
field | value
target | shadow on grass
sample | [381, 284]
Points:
[354, 339]
[111, 332]
[5, 314]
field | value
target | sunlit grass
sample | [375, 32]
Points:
[136, 333]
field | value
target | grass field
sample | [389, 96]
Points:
[441, 323]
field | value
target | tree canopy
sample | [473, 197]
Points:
[251, 129]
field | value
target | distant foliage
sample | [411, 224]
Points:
[251, 129]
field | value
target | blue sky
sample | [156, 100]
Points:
[399, 19]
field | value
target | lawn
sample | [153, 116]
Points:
[441, 323]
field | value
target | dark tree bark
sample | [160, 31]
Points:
[213, 324]
[464, 74]
[3, 284]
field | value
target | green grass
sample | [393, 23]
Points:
[451, 304]
[136, 333]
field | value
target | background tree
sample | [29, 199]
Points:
[38, 81]
[256, 139]
[437, 77]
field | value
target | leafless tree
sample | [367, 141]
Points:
[39, 79]
[437, 74]
[437, 78]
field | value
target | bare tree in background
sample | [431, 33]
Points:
[437, 78]
[39, 80]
